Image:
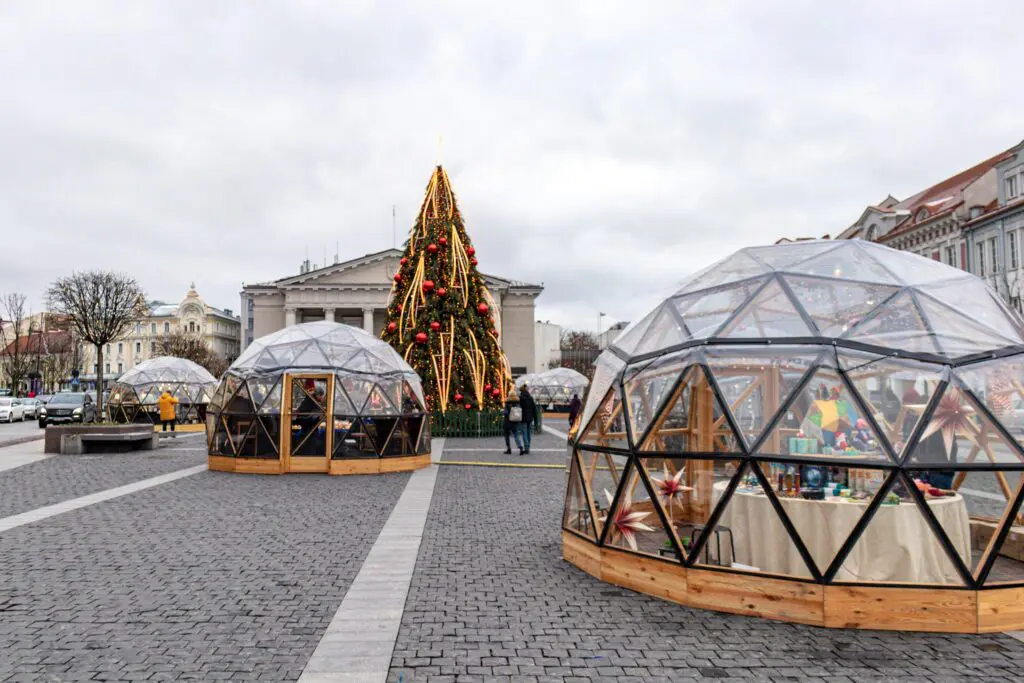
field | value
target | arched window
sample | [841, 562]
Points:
[191, 326]
[870, 234]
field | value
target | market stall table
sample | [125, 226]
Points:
[897, 546]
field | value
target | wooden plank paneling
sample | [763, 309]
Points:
[1001, 609]
[257, 466]
[756, 596]
[644, 575]
[300, 463]
[404, 463]
[581, 553]
[355, 466]
[901, 609]
[220, 463]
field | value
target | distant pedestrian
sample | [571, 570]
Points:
[574, 409]
[529, 415]
[512, 422]
[167, 416]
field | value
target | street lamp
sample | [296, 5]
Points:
[600, 325]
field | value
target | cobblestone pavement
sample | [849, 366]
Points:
[212, 577]
[544, 449]
[492, 599]
[62, 477]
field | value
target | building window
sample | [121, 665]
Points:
[138, 328]
[138, 347]
[951, 256]
[120, 348]
[152, 347]
[152, 328]
[167, 328]
[981, 260]
[120, 368]
[1015, 302]
[107, 370]
[995, 253]
[108, 349]
[1011, 187]
[870, 235]
[1012, 242]
[191, 326]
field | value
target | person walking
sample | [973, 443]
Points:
[574, 409]
[167, 416]
[512, 422]
[529, 415]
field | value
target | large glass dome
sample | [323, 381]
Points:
[315, 396]
[133, 398]
[837, 413]
[554, 387]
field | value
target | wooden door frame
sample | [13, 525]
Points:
[286, 423]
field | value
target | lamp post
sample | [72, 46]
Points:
[600, 324]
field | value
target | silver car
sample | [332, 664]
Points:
[11, 409]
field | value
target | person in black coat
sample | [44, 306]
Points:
[510, 426]
[574, 409]
[529, 415]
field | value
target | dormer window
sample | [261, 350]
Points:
[1012, 188]
[976, 211]
[922, 214]
[870, 234]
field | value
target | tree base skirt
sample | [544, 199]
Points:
[318, 465]
[947, 610]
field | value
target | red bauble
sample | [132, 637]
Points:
[469, 406]
[473, 261]
[496, 392]
[428, 285]
[458, 397]
[443, 241]
[435, 326]
[487, 387]
[432, 248]
[442, 291]
[392, 327]
[398, 277]
[421, 337]
[471, 251]
[403, 260]
[481, 308]
[399, 308]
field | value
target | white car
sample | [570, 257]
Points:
[11, 409]
[31, 408]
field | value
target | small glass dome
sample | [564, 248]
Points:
[554, 387]
[803, 410]
[311, 397]
[133, 398]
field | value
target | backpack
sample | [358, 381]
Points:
[515, 414]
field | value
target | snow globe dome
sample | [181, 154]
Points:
[554, 387]
[800, 429]
[318, 397]
[133, 397]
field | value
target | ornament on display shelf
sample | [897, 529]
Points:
[435, 326]
[481, 308]
[442, 291]
[428, 285]
[432, 248]
[421, 337]
[392, 327]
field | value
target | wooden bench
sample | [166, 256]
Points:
[77, 444]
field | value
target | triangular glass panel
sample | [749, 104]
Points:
[771, 314]
[898, 545]
[265, 360]
[958, 432]
[216, 401]
[705, 312]
[576, 514]
[423, 445]
[410, 402]
[999, 385]
[342, 404]
[271, 404]
[910, 268]
[755, 381]
[601, 472]
[221, 443]
[238, 429]
[825, 422]
[692, 421]
[606, 369]
[358, 390]
[268, 436]
[957, 334]
[391, 388]
[648, 387]
[240, 403]
[896, 391]
[245, 438]
[378, 403]
[145, 393]
[734, 268]
[635, 525]
[972, 297]
[309, 395]
[403, 437]
[260, 387]
[988, 497]
[350, 440]
[846, 262]
[896, 325]
[379, 429]
[311, 356]
[663, 332]
[631, 337]
[836, 305]
[608, 426]
[823, 503]
[287, 354]
[687, 491]
[781, 256]
[748, 535]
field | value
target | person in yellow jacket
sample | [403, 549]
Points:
[167, 403]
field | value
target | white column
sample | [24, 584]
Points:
[329, 315]
[368, 320]
[289, 315]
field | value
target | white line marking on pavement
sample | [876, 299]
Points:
[360, 639]
[436, 449]
[552, 430]
[38, 514]
[21, 454]
[501, 450]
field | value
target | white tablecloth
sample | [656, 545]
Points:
[897, 545]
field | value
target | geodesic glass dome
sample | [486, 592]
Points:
[834, 413]
[133, 398]
[554, 387]
[312, 394]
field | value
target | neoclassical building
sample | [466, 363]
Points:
[356, 293]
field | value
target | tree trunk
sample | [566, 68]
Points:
[99, 383]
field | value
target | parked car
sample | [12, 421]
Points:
[11, 409]
[41, 406]
[30, 407]
[71, 407]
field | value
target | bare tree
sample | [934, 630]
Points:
[101, 307]
[58, 358]
[15, 354]
[190, 347]
[579, 351]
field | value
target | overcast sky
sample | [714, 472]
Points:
[603, 149]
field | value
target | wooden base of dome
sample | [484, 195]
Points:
[930, 608]
[335, 467]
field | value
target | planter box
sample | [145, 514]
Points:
[73, 438]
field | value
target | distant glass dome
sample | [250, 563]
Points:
[315, 397]
[836, 412]
[554, 387]
[133, 398]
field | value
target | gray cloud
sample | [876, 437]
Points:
[606, 150]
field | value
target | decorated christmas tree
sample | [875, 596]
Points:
[441, 318]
